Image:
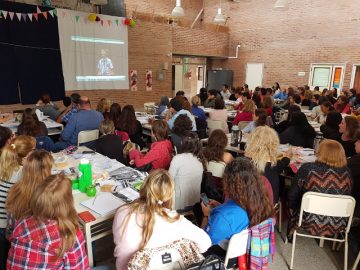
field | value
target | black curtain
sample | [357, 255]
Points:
[32, 63]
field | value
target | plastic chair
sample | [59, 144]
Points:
[243, 124]
[278, 212]
[356, 262]
[87, 136]
[236, 248]
[213, 125]
[326, 205]
[168, 259]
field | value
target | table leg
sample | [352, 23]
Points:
[89, 244]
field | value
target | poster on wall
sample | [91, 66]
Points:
[133, 80]
[148, 80]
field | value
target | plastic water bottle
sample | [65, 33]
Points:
[85, 174]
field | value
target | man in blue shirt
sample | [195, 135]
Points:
[176, 110]
[84, 119]
[282, 95]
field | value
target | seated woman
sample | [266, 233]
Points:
[210, 101]
[259, 121]
[247, 112]
[286, 119]
[160, 154]
[220, 114]
[203, 95]
[325, 107]
[347, 128]
[47, 107]
[342, 105]
[330, 129]
[354, 166]
[163, 105]
[6, 136]
[267, 104]
[262, 148]
[11, 161]
[109, 144]
[129, 124]
[182, 126]
[247, 205]
[50, 237]
[195, 110]
[187, 168]
[299, 133]
[30, 125]
[307, 101]
[215, 154]
[103, 106]
[328, 174]
[149, 222]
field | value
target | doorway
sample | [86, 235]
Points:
[355, 77]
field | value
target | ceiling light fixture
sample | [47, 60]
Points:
[219, 17]
[178, 11]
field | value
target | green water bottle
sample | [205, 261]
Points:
[85, 175]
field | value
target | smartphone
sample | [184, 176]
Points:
[204, 198]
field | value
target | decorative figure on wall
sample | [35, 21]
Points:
[133, 80]
[149, 80]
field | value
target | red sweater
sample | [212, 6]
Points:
[159, 156]
[242, 116]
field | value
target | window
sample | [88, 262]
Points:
[326, 76]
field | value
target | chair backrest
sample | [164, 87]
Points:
[213, 125]
[237, 247]
[243, 124]
[168, 259]
[328, 205]
[87, 136]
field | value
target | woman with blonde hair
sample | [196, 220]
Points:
[261, 148]
[196, 110]
[149, 222]
[329, 174]
[103, 106]
[247, 112]
[50, 236]
[37, 167]
[11, 161]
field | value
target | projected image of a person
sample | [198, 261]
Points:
[105, 66]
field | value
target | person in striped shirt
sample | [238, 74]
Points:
[11, 159]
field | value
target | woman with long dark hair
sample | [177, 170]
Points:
[30, 125]
[299, 133]
[129, 124]
[114, 114]
[348, 128]
[330, 129]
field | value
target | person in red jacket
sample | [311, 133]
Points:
[160, 154]
[246, 114]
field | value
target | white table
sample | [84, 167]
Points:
[53, 127]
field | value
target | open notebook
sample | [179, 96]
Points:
[105, 203]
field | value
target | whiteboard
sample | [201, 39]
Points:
[254, 74]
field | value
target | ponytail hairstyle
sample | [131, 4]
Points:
[155, 198]
[12, 155]
[53, 200]
[37, 167]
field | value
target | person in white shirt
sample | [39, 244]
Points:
[225, 93]
[187, 169]
[149, 222]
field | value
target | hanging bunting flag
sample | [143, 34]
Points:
[23, 15]
[5, 13]
[36, 16]
[117, 22]
[38, 10]
[11, 14]
[77, 17]
[19, 16]
[54, 12]
[45, 14]
[109, 22]
[30, 16]
[102, 22]
[51, 13]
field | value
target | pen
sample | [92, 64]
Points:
[94, 199]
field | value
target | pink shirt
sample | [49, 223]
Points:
[220, 115]
[127, 241]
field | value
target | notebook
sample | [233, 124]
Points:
[105, 203]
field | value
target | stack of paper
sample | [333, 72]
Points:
[104, 203]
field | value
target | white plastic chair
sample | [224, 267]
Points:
[356, 262]
[87, 136]
[326, 205]
[169, 259]
[236, 248]
[213, 125]
[278, 211]
[243, 124]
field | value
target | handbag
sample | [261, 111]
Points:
[211, 262]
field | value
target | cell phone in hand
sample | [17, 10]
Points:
[204, 198]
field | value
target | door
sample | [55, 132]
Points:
[355, 77]
[254, 74]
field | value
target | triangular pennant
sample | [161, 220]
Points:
[23, 15]
[30, 16]
[85, 20]
[5, 13]
[38, 10]
[109, 22]
[45, 14]
[19, 16]
[51, 12]
[77, 17]
[11, 14]
[102, 22]
[36, 16]
[117, 22]
[54, 12]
